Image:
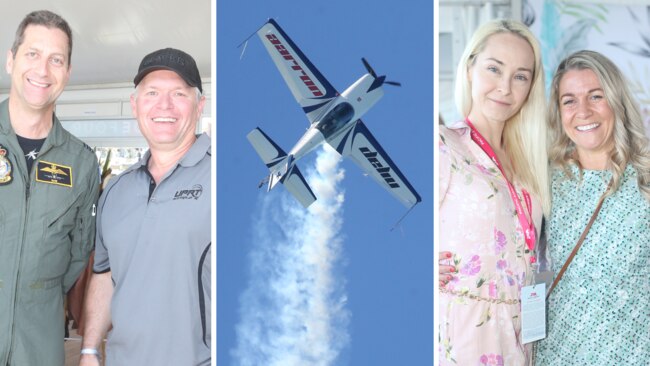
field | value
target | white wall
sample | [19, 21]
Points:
[101, 114]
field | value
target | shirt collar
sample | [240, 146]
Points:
[462, 128]
[55, 137]
[201, 147]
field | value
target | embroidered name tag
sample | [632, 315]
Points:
[53, 173]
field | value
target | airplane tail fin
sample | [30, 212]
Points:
[281, 166]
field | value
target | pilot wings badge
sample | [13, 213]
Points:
[53, 173]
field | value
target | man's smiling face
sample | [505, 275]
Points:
[167, 110]
[40, 69]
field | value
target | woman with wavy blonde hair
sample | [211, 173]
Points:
[598, 314]
[630, 144]
[493, 190]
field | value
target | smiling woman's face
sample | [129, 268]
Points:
[587, 118]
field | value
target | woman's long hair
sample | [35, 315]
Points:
[525, 133]
[631, 145]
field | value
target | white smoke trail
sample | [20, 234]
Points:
[293, 310]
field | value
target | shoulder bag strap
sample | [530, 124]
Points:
[579, 243]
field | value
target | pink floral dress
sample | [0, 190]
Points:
[479, 310]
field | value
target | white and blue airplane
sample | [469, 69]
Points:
[334, 118]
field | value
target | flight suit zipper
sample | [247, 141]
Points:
[27, 181]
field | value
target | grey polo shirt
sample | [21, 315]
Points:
[155, 240]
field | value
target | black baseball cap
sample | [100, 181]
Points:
[173, 60]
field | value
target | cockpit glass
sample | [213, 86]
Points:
[336, 118]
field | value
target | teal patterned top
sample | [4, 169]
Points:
[599, 313]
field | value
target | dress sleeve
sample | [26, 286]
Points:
[445, 163]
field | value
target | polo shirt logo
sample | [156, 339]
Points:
[53, 173]
[186, 194]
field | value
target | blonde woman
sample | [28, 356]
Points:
[493, 192]
[599, 312]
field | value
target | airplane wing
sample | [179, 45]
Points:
[361, 146]
[310, 88]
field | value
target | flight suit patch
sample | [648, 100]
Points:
[53, 173]
[5, 167]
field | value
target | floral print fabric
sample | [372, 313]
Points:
[479, 309]
[599, 313]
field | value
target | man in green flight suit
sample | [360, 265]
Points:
[48, 189]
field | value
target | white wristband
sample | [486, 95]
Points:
[91, 351]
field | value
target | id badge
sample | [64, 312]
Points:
[533, 313]
[545, 277]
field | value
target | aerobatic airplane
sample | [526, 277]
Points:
[334, 118]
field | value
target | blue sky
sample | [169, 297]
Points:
[384, 277]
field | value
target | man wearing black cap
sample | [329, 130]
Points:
[151, 279]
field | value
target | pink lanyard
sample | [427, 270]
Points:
[529, 229]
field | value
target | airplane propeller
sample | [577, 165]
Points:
[372, 72]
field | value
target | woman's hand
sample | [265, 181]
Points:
[444, 268]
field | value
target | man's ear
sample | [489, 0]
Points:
[9, 65]
[134, 109]
[68, 73]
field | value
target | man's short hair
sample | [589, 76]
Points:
[199, 94]
[47, 19]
